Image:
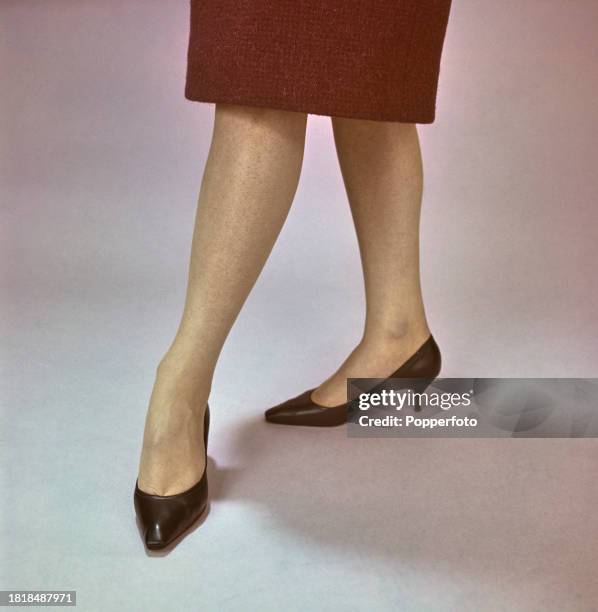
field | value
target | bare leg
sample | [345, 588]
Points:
[248, 185]
[382, 171]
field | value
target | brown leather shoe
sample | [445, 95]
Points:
[424, 364]
[164, 518]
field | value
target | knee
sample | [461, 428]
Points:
[353, 125]
[257, 117]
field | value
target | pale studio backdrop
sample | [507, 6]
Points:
[101, 163]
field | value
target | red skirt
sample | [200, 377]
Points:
[366, 59]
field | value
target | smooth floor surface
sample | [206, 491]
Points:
[101, 163]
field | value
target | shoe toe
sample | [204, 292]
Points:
[290, 409]
[154, 538]
[279, 414]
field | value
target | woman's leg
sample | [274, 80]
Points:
[382, 171]
[249, 181]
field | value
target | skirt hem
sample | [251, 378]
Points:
[313, 109]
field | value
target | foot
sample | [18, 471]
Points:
[369, 359]
[173, 453]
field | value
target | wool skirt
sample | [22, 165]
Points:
[365, 59]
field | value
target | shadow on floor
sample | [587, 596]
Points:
[505, 507]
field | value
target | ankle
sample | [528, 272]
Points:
[395, 339]
[185, 364]
[184, 380]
